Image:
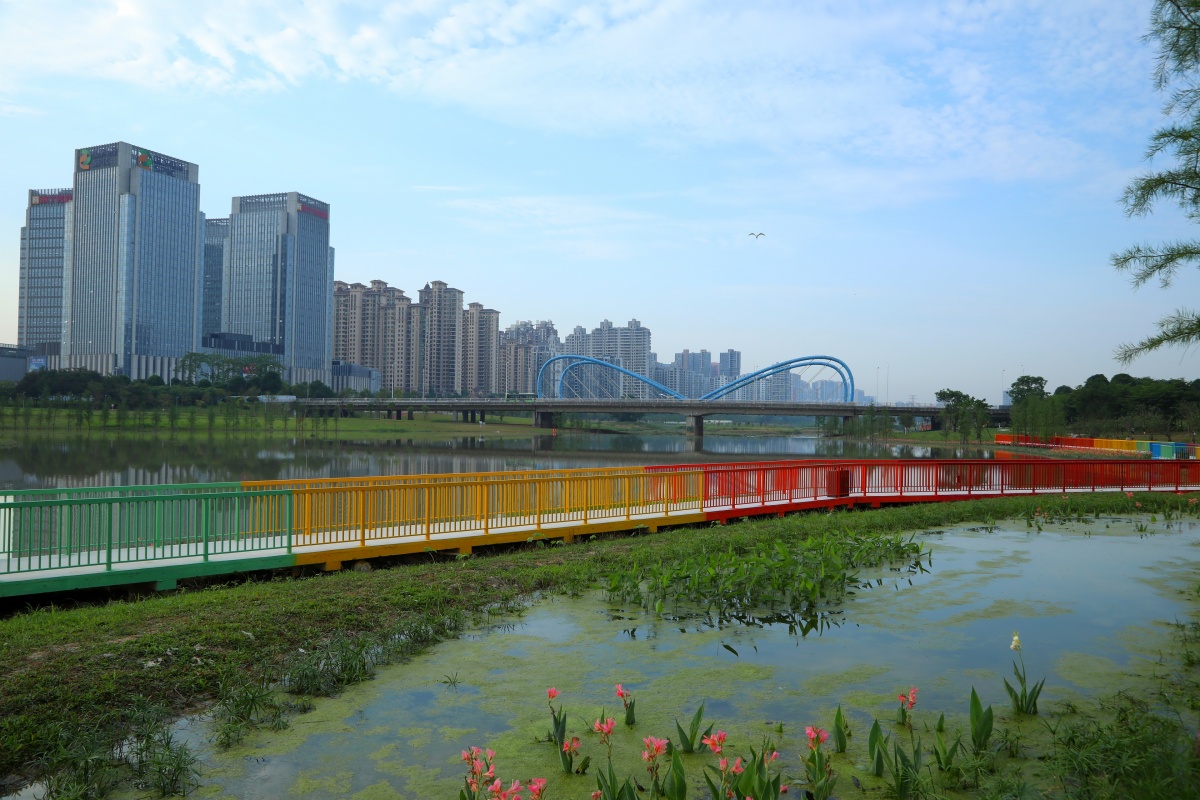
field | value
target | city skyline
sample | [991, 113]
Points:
[938, 185]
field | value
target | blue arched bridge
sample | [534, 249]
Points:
[571, 362]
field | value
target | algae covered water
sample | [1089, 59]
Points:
[1094, 602]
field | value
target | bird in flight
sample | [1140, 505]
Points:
[756, 235]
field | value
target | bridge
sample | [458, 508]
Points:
[67, 539]
[543, 410]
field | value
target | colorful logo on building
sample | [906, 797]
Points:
[85, 160]
[145, 160]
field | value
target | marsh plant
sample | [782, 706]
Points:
[688, 740]
[1025, 701]
[628, 701]
[904, 712]
[841, 731]
[821, 778]
[243, 706]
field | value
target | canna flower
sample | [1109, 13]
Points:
[715, 742]
[912, 697]
[572, 746]
[737, 768]
[536, 787]
[621, 693]
[1016, 643]
[596, 795]
[816, 736]
[551, 693]
[654, 746]
[605, 727]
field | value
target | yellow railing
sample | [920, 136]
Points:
[326, 515]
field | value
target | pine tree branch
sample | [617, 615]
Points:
[1180, 328]
[1162, 262]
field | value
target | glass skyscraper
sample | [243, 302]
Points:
[134, 244]
[40, 298]
[277, 284]
[216, 235]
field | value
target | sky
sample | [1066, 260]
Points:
[938, 183]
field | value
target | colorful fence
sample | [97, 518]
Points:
[1160, 450]
[52, 540]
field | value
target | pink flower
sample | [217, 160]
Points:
[572, 746]
[621, 692]
[605, 727]
[654, 746]
[783, 789]
[1129, 494]
[715, 742]
[768, 759]
[536, 787]
[596, 795]
[723, 764]
[738, 769]
[491, 754]
[552, 693]
[912, 697]
[816, 737]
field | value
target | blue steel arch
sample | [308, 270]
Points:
[578, 360]
[836, 364]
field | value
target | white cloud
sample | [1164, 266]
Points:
[965, 89]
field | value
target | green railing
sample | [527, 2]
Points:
[85, 533]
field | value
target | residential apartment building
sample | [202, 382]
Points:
[40, 291]
[442, 340]
[378, 326]
[524, 347]
[131, 263]
[480, 351]
[627, 347]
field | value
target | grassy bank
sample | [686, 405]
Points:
[67, 670]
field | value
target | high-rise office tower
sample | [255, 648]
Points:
[132, 264]
[277, 283]
[376, 326]
[216, 238]
[442, 309]
[480, 350]
[40, 298]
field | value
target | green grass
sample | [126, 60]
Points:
[87, 668]
[254, 423]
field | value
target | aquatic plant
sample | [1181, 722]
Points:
[906, 773]
[907, 701]
[821, 779]
[944, 753]
[688, 739]
[1024, 702]
[655, 749]
[877, 743]
[726, 775]
[841, 731]
[605, 727]
[981, 724]
[674, 786]
[628, 701]
[607, 787]
[481, 783]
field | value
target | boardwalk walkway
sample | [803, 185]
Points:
[55, 540]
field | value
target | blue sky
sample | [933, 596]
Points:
[938, 181]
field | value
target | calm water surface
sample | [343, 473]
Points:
[39, 462]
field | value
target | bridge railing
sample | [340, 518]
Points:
[84, 533]
[115, 532]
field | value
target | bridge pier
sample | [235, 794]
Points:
[408, 415]
[694, 425]
[543, 419]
